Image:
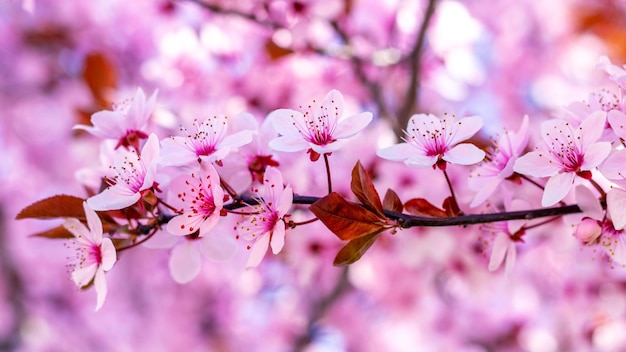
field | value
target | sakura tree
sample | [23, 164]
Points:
[313, 175]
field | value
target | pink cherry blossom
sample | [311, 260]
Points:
[94, 254]
[126, 122]
[318, 128]
[506, 235]
[210, 142]
[616, 73]
[266, 224]
[489, 175]
[571, 151]
[200, 199]
[431, 141]
[593, 232]
[135, 174]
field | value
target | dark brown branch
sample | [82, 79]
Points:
[411, 98]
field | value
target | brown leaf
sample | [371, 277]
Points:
[274, 51]
[100, 74]
[59, 232]
[422, 207]
[451, 206]
[364, 190]
[392, 201]
[60, 206]
[344, 219]
[355, 249]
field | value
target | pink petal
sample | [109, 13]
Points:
[209, 223]
[520, 139]
[589, 203]
[486, 190]
[511, 255]
[617, 120]
[464, 154]
[161, 240]
[285, 202]
[557, 187]
[109, 255]
[537, 164]
[108, 124]
[327, 148]
[174, 153]
[421, 160]
[613, 165]
[184, 224]
[592, 128]
[352, 125]
[333, 102]
[149, 156]
[237, 139]
[258, 251]
[94, 223]
[398, 152]
[517, 205]
[101, 288]
[288, 143]
[278, 237]
[78, 229]
[113, 198]
[283, 121]
[217, 246]
[498, 251]
[616, 206]
[464, 129]
[83, 276]
[618, 250]
[185, 262]
[588, 230]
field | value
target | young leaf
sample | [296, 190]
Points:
[344, 219]
[61, 206]
[364, 190]
[59, 232]
[421, 207]
[392, 201]
[451, 206]
[355, 249]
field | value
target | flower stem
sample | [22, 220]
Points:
[455, 204]
[138, 242]
[330, 185]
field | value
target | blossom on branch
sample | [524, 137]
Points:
[319, 128]
[431, 141]
[210, 142]
[200, 199]
[266, 223]
[94, 254]
[134, 175]
[125, 123]
[571, 151]
[498, 166]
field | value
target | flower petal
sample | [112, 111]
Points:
[77, 229]
[613, 166]
[217, 246]
[398, 152]
[108, 253]
[113, 198]
[498, 251]
[333, 102]
[464, 154]
[101, 288]
[283, 121]
[557, 188]
[616, 206]
[352, 125]
[288, 143]
[465, 128]
[83, 276]
[511, 255]
[588, 203]
[537, 164]
[259, 248]
[278, 237]
[185, 262]
[617, 120]
[94, 223]
[595, 154]
[592, 128]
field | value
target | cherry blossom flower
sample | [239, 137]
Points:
[616, 73]
[506, 235]
[210, 142]
[319, 128]
[594, 232]
[499, 165]
[266, 224]
[125, 123]
[135, 174]
[431, 141]
[94, 254]
[200, 199]
[571, 151]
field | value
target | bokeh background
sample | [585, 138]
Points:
[420, 290]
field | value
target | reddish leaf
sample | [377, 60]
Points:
[451, 206]
[274, 51]
[422, 207]
[58, 232]
[392, 201]
[355, 249]
[101, 76]
[61, 206]
[364, 190]
[344, 219]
